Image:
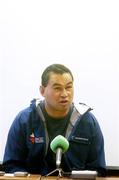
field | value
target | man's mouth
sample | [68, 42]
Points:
[64, 102]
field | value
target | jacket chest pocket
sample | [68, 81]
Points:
[80, 140]
[79, 147]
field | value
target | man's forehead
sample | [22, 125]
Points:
[58, 75]
[60, 79]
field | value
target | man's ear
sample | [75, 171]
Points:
[42, 90]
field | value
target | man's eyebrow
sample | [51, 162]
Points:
[57, 84]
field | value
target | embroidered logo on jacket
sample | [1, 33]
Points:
[33, 139]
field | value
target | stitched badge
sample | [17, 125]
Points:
[34, 139]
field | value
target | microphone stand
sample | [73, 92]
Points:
[58, 162]
[60, 172]
[58, 145]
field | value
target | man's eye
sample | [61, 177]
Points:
[57, 88]
[69, 87]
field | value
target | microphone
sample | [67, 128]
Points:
[59, 145]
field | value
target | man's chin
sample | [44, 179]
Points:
[64, 107]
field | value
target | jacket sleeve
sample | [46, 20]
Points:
[97, 148]
[15, 150]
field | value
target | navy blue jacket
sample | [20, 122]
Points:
[27, 142]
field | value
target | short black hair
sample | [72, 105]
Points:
[55, 68]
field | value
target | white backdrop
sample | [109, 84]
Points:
[84, 35]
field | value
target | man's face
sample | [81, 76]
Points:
[58, 93]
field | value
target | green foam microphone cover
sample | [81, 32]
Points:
[59, 142]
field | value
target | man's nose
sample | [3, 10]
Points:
[64, 93]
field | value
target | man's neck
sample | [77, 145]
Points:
[56, 114]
